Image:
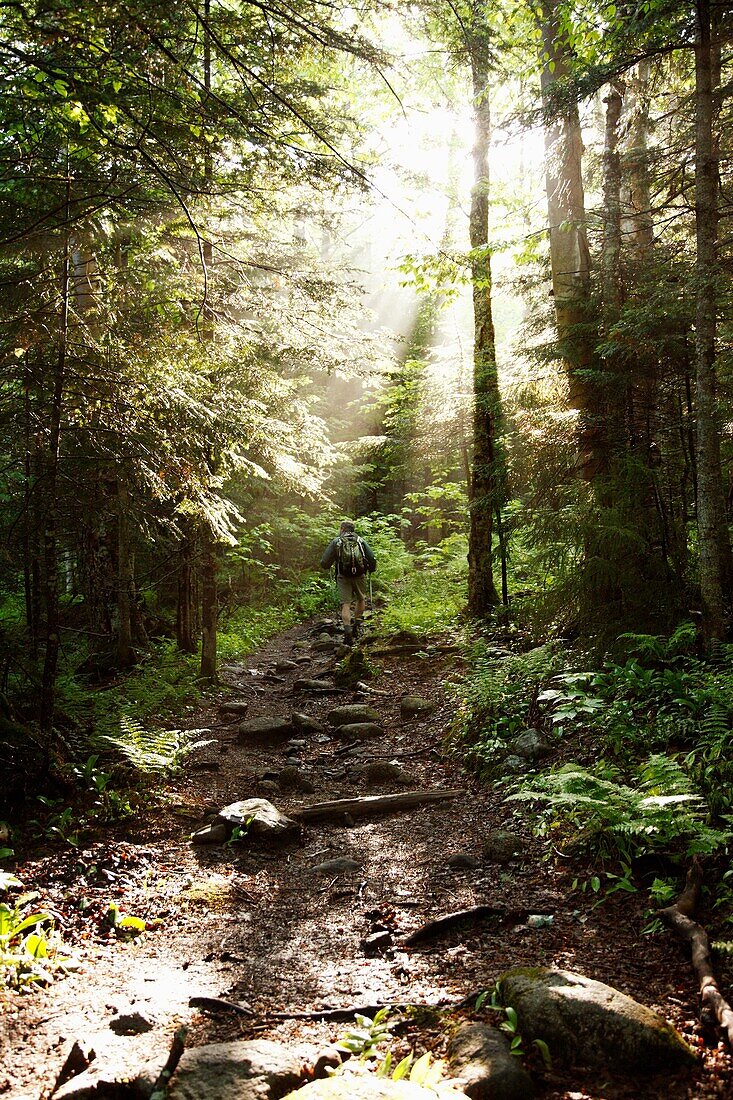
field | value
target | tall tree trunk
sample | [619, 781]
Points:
[611, 254]
[569, 255]
[185, 608]
[125, 654]
[209, 608]
[487, 481]
[714, 547]
[50, 538]
[31, 560]
[209, 563]
[636, 222]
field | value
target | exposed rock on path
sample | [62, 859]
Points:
[259, 925]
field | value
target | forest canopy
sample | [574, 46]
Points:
[461, 269]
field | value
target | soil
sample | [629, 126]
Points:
[257, 925]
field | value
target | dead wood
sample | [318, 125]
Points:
[367, 690]
[714, 1009]
[373, 804]
[449, 921]
[216, 1004]
[160, 1088]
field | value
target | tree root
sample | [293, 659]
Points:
[714, 1009]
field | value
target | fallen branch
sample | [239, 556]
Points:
[216, 1004]
[714, 1009]
[367, 690]
[160, 1088]
[449, 921]
[373, 804]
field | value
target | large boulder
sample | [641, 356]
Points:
[590, 1023]
[259, 818]
[254, 1069]
[351, 713]
[485, 1067]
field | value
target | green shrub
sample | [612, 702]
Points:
[657, 809]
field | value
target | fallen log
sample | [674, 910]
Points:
[714, 1009]
[449, 921]
[373, 804]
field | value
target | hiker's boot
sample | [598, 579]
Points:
[348, 636]
[358, 629]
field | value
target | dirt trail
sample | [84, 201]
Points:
[260, 925]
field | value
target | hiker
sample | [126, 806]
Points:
[352, 559]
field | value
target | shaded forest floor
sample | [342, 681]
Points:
[260, 925]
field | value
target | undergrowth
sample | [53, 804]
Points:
[641, 746]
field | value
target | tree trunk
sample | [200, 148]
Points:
[125, 654]
[611, 255]
[714, 548]
[569, 255]
[209, 608]
[486, 485]
[209, 564]
[185, 609]
[50, 538]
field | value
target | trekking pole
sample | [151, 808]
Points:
[371, 597]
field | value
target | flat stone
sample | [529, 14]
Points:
[326, 626]
[254, 1069]
[352, 712]
[590, 1023]
[301, 645]
[268, 786]
[285, 665]
[342, 865]
[516, 765]
[501, 846]
[217, 833]
[480, 1059]
[304, 723]
[272, 730]
[325, 644]
[234, 707]
[306, 684]
[259, 818]
[366, 1087]
[414, 706]
[376, 942]
[359, 731]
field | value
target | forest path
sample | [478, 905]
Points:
[260, 924]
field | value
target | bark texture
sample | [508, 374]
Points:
[485, 489]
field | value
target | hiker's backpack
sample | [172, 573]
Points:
[350, 556]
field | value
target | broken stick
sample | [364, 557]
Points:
[373, 804]
[714, 1009]
[217, 1004]
[160, 1088]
